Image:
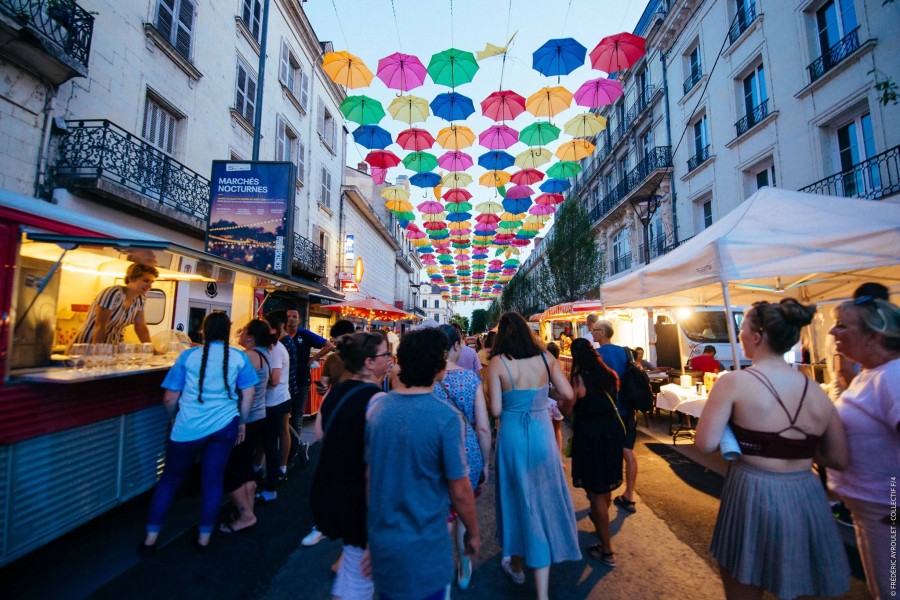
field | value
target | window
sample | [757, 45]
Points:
[643, 93]
[609, 183]
[620, 116]
[657, 235]
[707, 214]
[288, 147]
[245, 92]
[595, 197]
[621, 253]
[325, 196]
[160, 126]
[291, 75]
[754, 90]
[251, 15]
[326, 125]
[694, 62]
[834, 20]
[424, 303]
[765, 177]
[324, 239]
[175, 22]
[437, 303]
[693, 66]
[623, 168]
[646, 144]
[701, 136]
[855, 144]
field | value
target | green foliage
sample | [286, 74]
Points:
[520, 295]
[886, 88]
[479, 321]
[460, 320]
[493, 314]
[572, 267]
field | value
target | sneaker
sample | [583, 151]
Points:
[313, 537]
[464, 573]
[265, 497]
[842, 514]
[518, 577]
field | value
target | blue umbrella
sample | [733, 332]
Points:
[558, 57]
[452, 106]
[479, 256]
[427, 179]
[372, 137]
[496, 160]
[403, 223]
[555, 186]
[516, 205]
[459, 216]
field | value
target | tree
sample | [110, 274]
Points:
[520, 295]
[493, 314]
[479, 320]
[460, 320]
[572, 267]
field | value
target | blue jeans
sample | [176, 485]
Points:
[213, 451]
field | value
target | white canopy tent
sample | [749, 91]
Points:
[776, 243]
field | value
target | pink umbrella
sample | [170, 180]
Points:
[519, 191]
[455, 161]
[542, 209]
[527, 176]
[487, 218]
[486, 227]
[430, 207]
[415, 139]
[550, 199]
[401, 71]
[379, 175]
[503, 105]
[598, 92]
[498, 137]
[617, 52]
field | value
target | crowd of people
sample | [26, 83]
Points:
[412, 428]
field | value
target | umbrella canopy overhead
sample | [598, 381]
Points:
[527, 177]
[574, 150]
[539, 133]
[504, 105]
[372, 137]
[496, 160]
[425, 179]
[533, 158]
[384, 159]
[452, 67]
[420, 161]
[369, 308]
[401, 71]
[498, 137]
[549, 101]
[452, 106]
[455, 161]
[598, 92]
[409, 109]
[456, 137]
[585, 125]
[558, 57]
[415, 139]
[617, 52]
[346, 69]
[362, 109]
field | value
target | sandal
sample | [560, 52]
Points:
[625, 503]
[607, 558]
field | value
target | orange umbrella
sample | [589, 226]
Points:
[574, 150]
[456, 137]
[549, 101]
[494, 179]
[347, 69]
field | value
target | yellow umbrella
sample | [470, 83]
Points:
[456, 179]
[541, 219]
[420, 241]
[346, 69]
[409, 109]
[434, 218]
[490, 208]
[398, 205]
[532, 226]
[456, 137]
[508, 216]
[574, 150]
[395, 192]
[460, 225]
[585, 125]
[549, 101]
[533, 158]
[494, 179]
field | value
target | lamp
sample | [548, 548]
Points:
[645, 208]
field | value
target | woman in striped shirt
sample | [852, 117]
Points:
[117, 307]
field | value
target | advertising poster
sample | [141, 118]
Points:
[251, 214]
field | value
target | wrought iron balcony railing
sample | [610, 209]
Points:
[620, 264]
[873, 179]
[698, 159]
[834, 55]
[659, 158]
[641, 104]
[759, 112]
[742, 21]
[692, 80]
[62, 22]
[101, 149]
[308, 256]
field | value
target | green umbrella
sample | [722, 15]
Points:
[564, 169]
[539, 133]
[362, 110]
[458, 206]
[420, 161]
[452, 67]
[406, 216]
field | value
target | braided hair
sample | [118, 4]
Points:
[216, 328]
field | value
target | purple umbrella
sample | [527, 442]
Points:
[401, 71]
[498, 137]
[455, 161]
[519, 191]
[598, 92]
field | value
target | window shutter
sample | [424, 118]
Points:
[185, 28]
[285, 64]
[165, 16]
[301, 165]
[250, 105]
[320, 116]
[279, 140]
[304, 89]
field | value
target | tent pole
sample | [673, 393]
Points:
[729, 323]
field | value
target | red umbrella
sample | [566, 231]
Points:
[549, 199]
[498, 137]
[617, 52]
[415, 139]
[382, 159]
[527, 176]
[401, 71]
[435, 225]
[598, 92]
[503, 105]
[457, 195]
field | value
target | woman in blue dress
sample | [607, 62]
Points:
[535, 517]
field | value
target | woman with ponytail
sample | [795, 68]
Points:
[210, 392]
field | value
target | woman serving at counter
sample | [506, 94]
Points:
[117, 307]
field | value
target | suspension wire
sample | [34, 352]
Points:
[565, 19]
[340, 25]
[396, 26]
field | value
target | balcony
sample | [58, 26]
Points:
[698, 159]
[742, 21]
[755, 116]
[833, 57]
[645, 176]
[308, 258]
[872, 179]
[620, 264]
[100, 157]
[49, 37]
[692, 80]
[641, 104]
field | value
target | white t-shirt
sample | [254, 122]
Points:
[870, 412]
[279, 359]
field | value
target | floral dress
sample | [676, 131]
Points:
[462, 384]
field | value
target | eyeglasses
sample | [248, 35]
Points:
[870, 300]
[599, 329]
[382, 354]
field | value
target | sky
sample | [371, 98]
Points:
[373, 29]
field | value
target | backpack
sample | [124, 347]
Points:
[635, 389]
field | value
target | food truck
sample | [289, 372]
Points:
[78, 437]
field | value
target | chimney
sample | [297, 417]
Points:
[363, 166]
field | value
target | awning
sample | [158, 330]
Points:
[581, 307]
[322, 291]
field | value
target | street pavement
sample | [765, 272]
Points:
[661, 550]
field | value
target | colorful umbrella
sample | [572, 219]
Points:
[383, 159]
[539, 133]
[456, 179]
[498, 137]
[549, 101]
[398, 206]
[458, 206]
[552, 186]
[415, 139]
[574, 150]
[452, 67]
[430, 207]
[517, 205]
[409, 109]
[378, 175]
[564, 170]
[488, 208]
[598, 92]
[346, 69]
[503, 105]
[519, 191]
[425, 179]
[585, 125]
[558, 57]
[533, 158]
[496, 159]
[401, 71]
[494, 179]
[455, 161]
[452, 106]
[420, 161]
[370, 308]
[459, 217]
[457, 195]
[455, 137]
[372, 137]
[549, 199]
[362, 110]
[395, 192]
[527, 177]
[617, 52]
